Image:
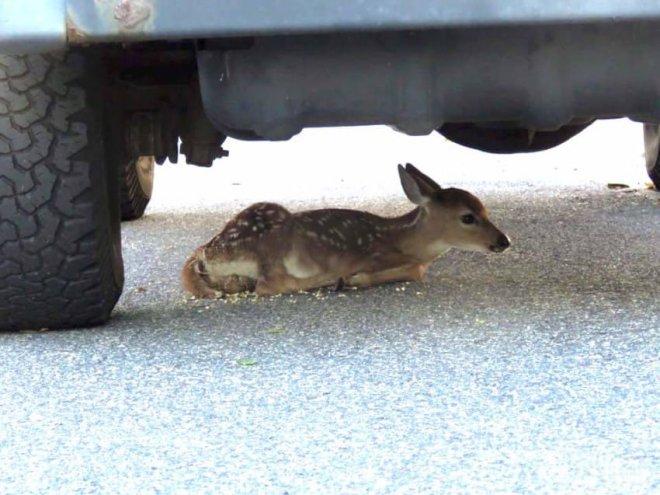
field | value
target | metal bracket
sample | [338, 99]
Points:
[153, 133]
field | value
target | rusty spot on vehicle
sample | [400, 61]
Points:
[74, 34]
[131, 14]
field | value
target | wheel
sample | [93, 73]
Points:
[137, 183]
[508, 139]
[652, 152]
[60, 245]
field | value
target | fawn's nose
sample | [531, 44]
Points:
[501, 244]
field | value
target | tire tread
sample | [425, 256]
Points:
[58, 267]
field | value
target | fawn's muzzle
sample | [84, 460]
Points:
[501, 244]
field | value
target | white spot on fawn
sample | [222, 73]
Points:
[338, 233]
[296, 268]
[245, 268]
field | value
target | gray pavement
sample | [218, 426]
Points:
[534, 371]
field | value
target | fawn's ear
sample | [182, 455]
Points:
[420, 177]
[417, 190]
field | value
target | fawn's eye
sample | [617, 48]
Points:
[468, 219]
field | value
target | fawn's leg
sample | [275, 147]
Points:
[268, 286]
[399, 274]
[233, 284]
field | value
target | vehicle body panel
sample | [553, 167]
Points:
[32, 25]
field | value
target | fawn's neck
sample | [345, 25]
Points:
[412, 235]
[408, 221]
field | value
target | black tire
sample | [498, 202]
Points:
[506, 140]
[652, 152]
[60, 243]
[137, 182]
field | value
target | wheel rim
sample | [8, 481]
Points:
[144, 166]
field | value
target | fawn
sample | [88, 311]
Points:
[268, 250]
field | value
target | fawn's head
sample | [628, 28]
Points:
[452, 216]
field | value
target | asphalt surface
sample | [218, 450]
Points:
[534, 371]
